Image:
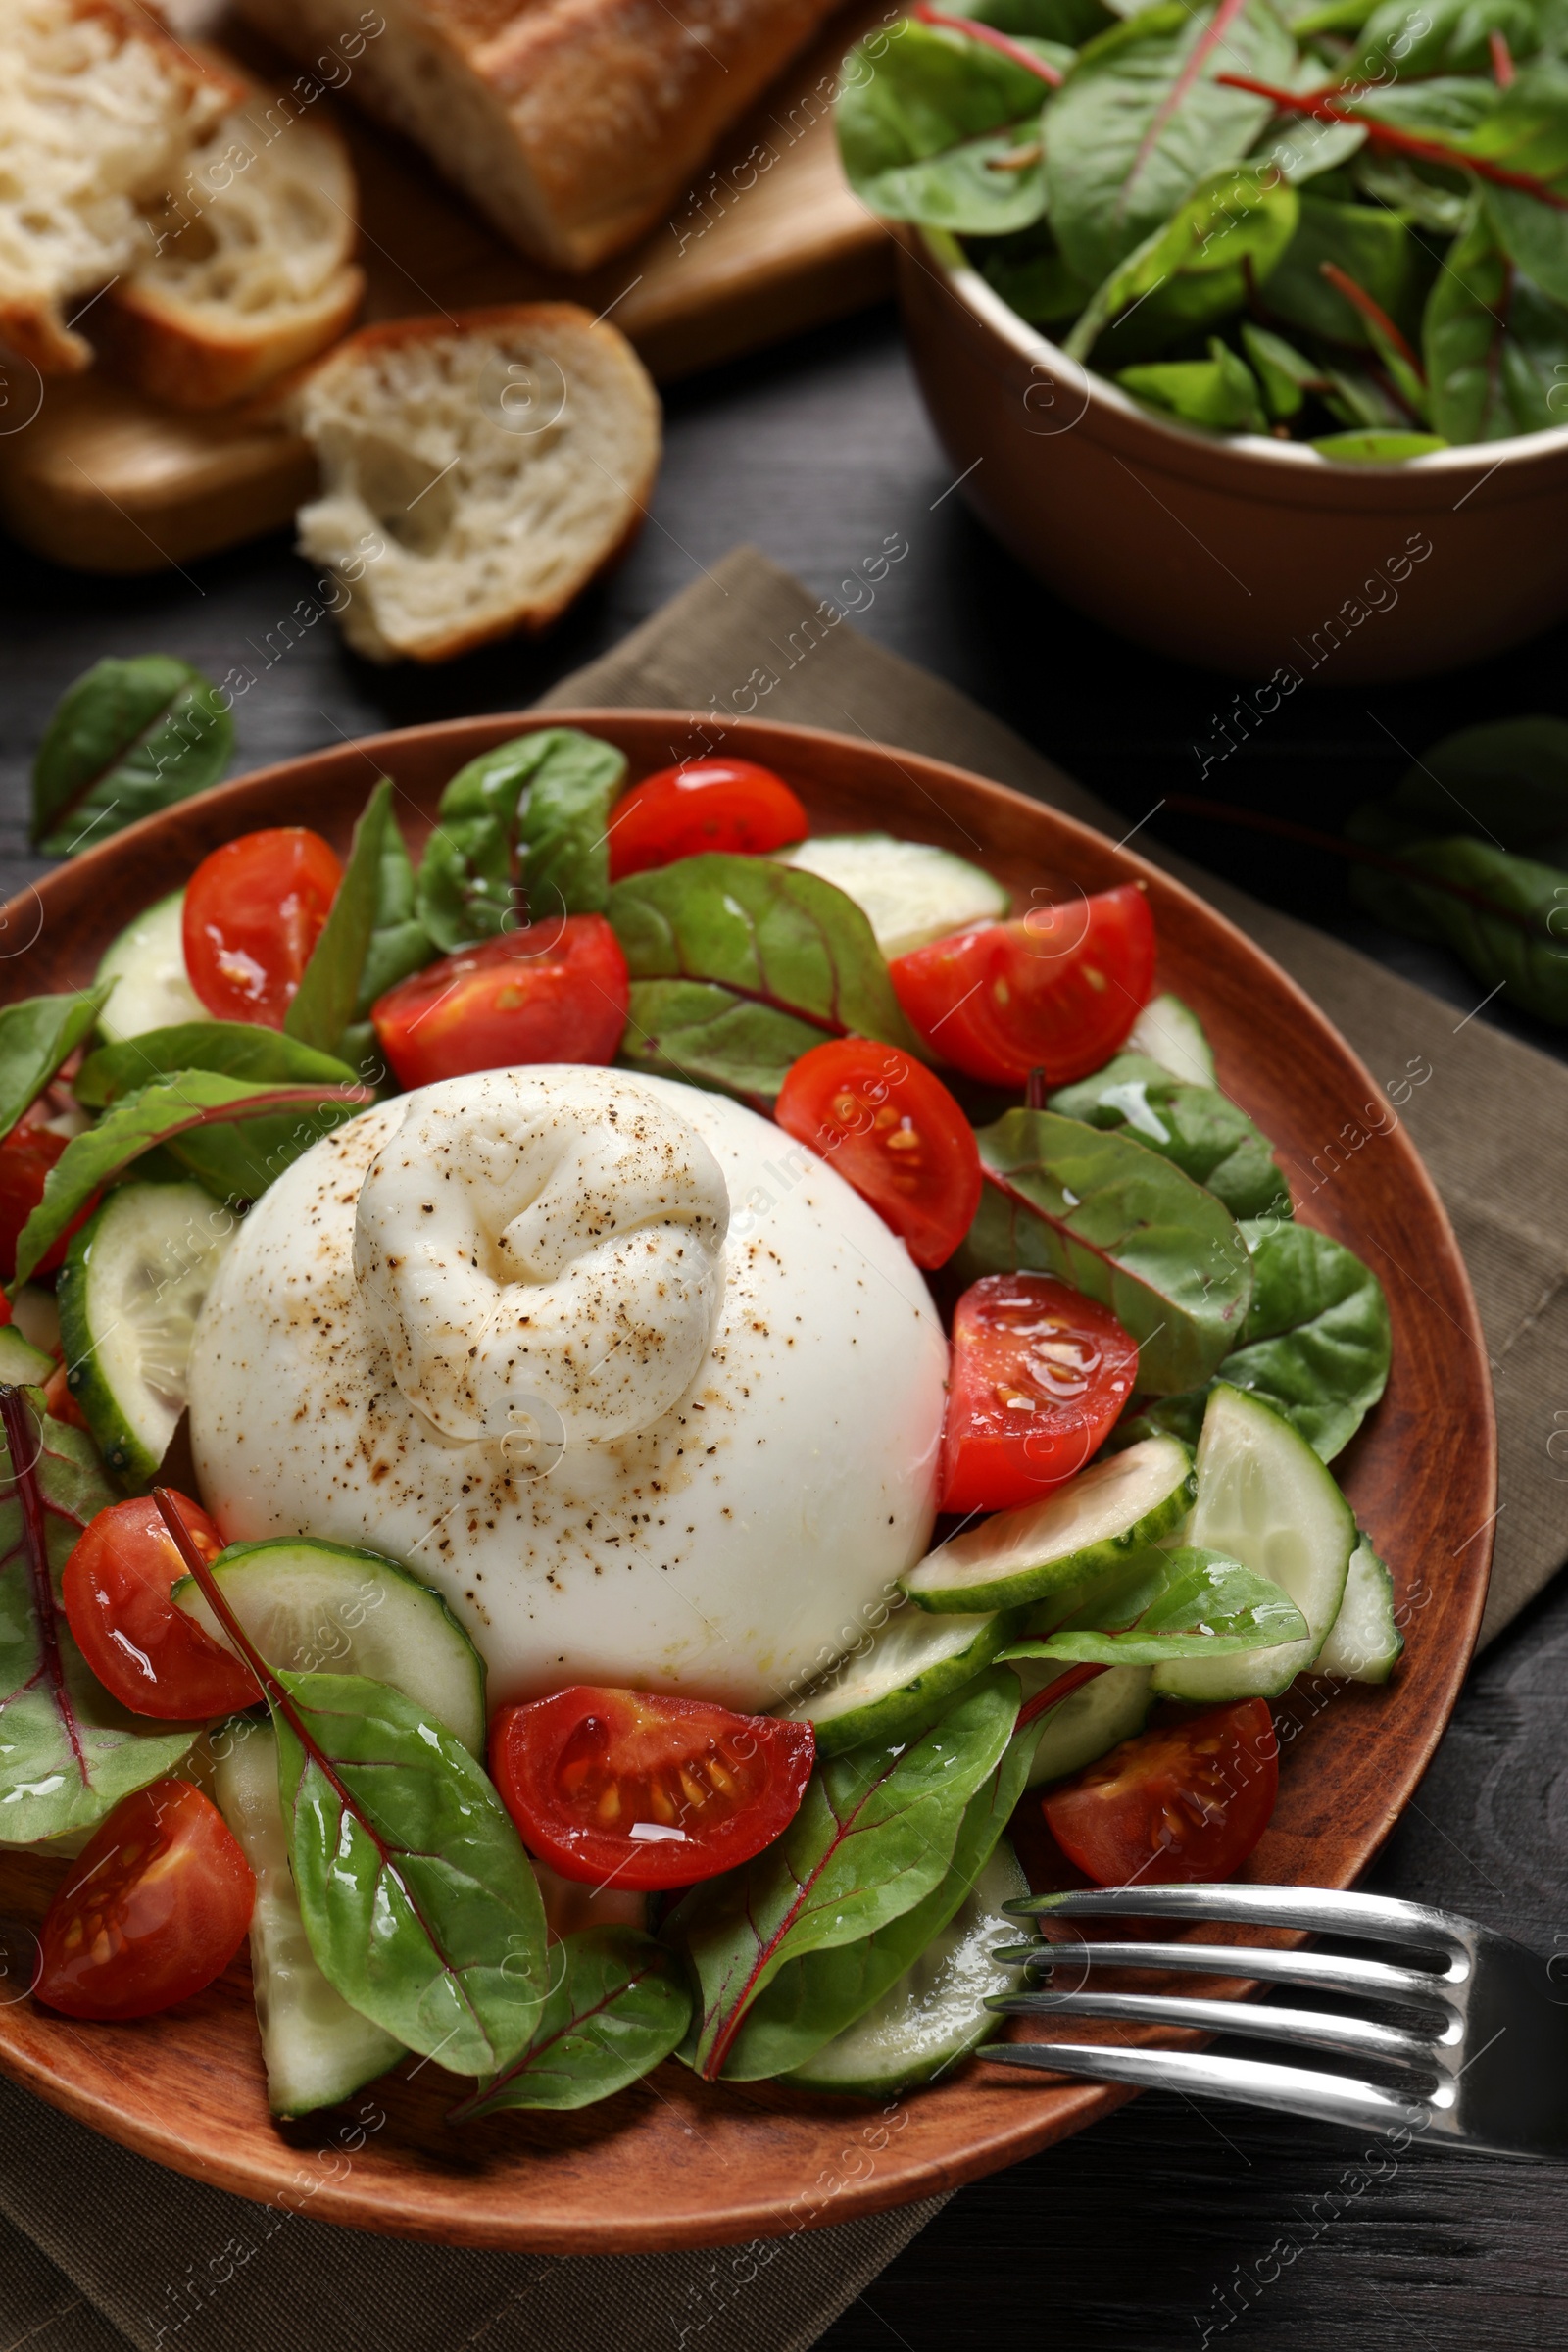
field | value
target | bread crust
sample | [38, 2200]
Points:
[575, 125]
[152, 340]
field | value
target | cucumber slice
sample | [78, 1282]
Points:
[1170, 1033]
[1363, 1643]
[1083, 1526]
[1266, 1498]
[318, 2049]
[935, 2015]
[130, 1291]
[147, 964]
[1090, 1721]
[913, 1662]
[909, 892]
[314, 1607]
[24, 1366]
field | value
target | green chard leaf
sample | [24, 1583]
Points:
[1373, 247]
[1527, 132]
[370, 939]
[1197, 1127]
[1439, 37]
[695, 1030]
[1373, 447]
[1193, 271]
[874, 1834]
[1124, 1226]
[230, 1049]
[1069, 21]
[1142, 119]
[933, 129]
[1515, 769]
[1497, 348]
[619, 2003]
[1504, 914]
[813, 1997]
[170, 1114]
[528, 820]
[1315, 1344]
[1220, 392]
[1186, 1603]
[127, 739]
[37, 1036]
[67, 1751]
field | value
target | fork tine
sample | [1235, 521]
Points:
[1249, 2081]
[1304, 2029]
[1324, 1971]
[1314, 1909]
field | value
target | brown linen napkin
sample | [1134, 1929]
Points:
[150, 2262]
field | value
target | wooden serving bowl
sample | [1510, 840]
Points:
[675, 2161]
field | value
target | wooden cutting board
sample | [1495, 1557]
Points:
[767, 242]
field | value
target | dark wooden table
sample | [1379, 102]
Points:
[1168, 2227]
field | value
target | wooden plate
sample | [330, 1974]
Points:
[677, 2162]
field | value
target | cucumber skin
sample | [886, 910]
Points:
[125, 1457]
[22, 1365]
[908, 1706]
[1027, 1585]
[1094, 1743]
[1363, 1669]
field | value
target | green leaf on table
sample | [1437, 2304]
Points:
[1141, 119]
[526, 823]
[1373, 247]
[37, 1035]
[941, 129]
[1497, 348]
[1527, 132]
[1505, 782]
[1124, 1226]
[1185, 1603]
[618, 2004]
[127, 739]
[814, 1996]
[874, 1834]
[232, 1049]
[1315, 1344]
[773, 935]
[1224, 237]
[171, 1113]
[67, 1751]
[370, 931]
[708, 1035]
[1220, 392]
[1377, 448]
[1197, 1127]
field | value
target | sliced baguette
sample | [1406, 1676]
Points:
[251, 271]
[477, 472]
[99, 107]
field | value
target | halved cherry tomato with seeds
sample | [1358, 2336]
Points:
[552, 991]
[639, 1791]
[148, 1654]
[1056, 991]
[895, 1133]
[1040, 1376]
[1186, 1801]
[253, 911]
[154, 1907]
[707, 805]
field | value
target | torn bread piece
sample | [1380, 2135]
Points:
[250, 271]
[99, 106]
[477, 473]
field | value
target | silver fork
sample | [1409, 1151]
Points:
[1480, 2060]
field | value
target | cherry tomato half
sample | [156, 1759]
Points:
[154, 1907]
[1040, 1374]
[1187, 1800]
[26, 1158]
[895, 1133]
[254, 911]
[1056, 990]
[146, 1652]
[707, 804]
[645, 1791]
[551, 992]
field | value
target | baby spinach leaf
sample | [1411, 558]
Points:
[1285, 374]
[874, 1834]
[1069, 21]
[37, 1036]
[1197, 1127]
[1371, 246]
[618, 2004]
[814, 1996]
[1141, 119]
[1513, 769]
[528, 822]
[1497, 348]
[1186, 1603]
[1377, 448]
[1220, 392]
[170, 1112]
[126, 740]
[1303, 148]
[370, 931]
[67, 1751]
[1439, 37]
[1037, 285]
[1122, 1225]
[708, 1035]
[234, 1049]
[1223, 238]
[772, 934]
[933, 129]
[1527, 132]
[1504, 914]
